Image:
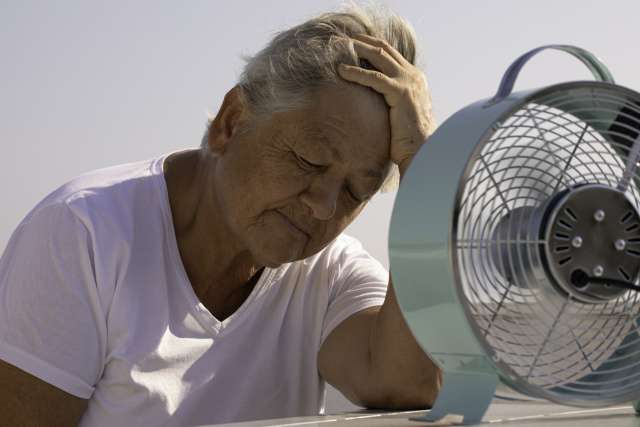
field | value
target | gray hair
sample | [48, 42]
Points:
[281, 76]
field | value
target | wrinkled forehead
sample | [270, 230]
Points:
[348, 113]
[367, 157]
[345, 141]
[344, 105]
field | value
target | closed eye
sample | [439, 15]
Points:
[306, 163]
[352, 195]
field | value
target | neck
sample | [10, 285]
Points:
[215, 261]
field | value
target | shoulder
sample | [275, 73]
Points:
[341, 248]
[325, 265]
[336, 252]
[343, 259]
[104, 195]
[348, 251]
[101, 212]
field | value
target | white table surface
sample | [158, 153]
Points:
[501, 412]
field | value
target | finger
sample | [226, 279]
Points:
[378, 57]
[383, 44]
[376, 80]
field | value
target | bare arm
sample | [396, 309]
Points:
[28, 401]
[344, 359]
[410, 378]
[373, 355]
[373, 359]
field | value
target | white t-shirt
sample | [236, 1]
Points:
[94, 299]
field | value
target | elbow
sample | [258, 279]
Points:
[405, 397]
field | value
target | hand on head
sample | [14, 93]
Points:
[405, 91]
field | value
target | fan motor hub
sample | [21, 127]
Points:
[595, 230]
[590, 230]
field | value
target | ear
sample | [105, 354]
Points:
[227, 121]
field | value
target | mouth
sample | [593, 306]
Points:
[292, 224]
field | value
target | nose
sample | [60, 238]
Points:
[322, 196]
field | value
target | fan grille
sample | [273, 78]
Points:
[546, 343]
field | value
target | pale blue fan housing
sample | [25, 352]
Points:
[515, 245]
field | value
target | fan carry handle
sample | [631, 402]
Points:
[597, 68]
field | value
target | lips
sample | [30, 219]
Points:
[294, 224]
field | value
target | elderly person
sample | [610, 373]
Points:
[215, 284]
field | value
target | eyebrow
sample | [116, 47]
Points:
[319, 133]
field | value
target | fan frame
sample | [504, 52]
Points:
[419, 248]
[511, 380]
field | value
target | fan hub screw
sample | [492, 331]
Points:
[599, 215]
[620, 244]
[598, 270]
[576, 242]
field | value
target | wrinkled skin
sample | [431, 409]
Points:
[278, 190]
[294, 183]
[405, 90]
[225, 203]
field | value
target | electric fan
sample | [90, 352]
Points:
[515, 245]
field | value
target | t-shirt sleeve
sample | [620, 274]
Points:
[51, 322]
[359, 281]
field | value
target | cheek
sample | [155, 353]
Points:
[271, 183]
[281, 169]
[346, 212]
[278, 178]
[348, 208]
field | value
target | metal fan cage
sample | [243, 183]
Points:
[545, 343]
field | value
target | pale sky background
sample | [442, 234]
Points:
[87, 84]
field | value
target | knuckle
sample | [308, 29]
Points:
[386, 44]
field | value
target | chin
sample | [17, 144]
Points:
[281, 242]
[276, 252]
[275, 261]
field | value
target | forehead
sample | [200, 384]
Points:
[349, 119]
[348, 107]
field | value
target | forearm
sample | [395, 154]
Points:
[28, 401]
[404, 376]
